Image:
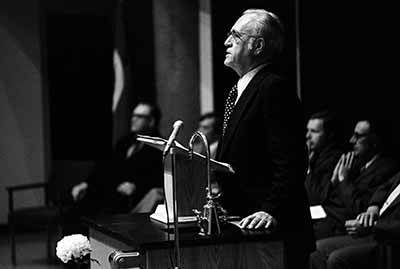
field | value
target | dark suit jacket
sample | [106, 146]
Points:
[144, 168]
[350, 198]
[318, 178]
[355, 194]
[381, 194]
[364, 245]
[265, 144]
[387, 228]
[388, 224]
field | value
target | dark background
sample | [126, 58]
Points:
[79, 39]
[347, 53]
[347, 59]
[78, 44]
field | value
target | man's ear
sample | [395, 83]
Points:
[259, 46]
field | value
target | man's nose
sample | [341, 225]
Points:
[228, 42]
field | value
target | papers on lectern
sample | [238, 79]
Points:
[161, 215]
[159, 143]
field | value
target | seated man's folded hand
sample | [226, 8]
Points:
[258, 220]
[368, 218]
[356, 228]
[126, 188]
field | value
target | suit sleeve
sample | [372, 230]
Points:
[380, 195]
[286, 147]
[357, 199]
[318, 183]
[387, 229]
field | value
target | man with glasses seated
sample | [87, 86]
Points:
[359, 248]
[356, 177]
[116, 186]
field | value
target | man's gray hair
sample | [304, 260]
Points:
[269, 27]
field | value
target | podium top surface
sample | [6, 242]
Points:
[178, 148]
[141, 232]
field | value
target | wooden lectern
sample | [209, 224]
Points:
[136, 241]
[190, 176]
[143, 241]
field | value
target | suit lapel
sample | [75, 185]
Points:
[395, 202]
[240, 108]
[371, 169]
[397, 199]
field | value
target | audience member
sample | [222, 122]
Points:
[359, 248]
[356, 176]
[263, 138]
[116, 186]
[323, 154]
[210, 125]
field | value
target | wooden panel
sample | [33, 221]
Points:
[136, 234]
[102, 246]
[191, 182]
[243, 255]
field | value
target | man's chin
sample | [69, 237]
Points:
[227, 61]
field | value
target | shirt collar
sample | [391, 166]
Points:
[245, 80]
[371, 161]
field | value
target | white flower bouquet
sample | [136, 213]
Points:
[75, 248]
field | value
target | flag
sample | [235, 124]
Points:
[121, 95]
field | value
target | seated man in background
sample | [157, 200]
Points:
[359, 249]
[210, 125]
[116, 186]
[323, 152]
[355, 178]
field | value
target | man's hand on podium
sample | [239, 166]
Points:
[258, 220]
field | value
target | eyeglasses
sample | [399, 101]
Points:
[236, 35]
[358, 136]
[141, 116]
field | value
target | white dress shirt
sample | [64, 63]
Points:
[245, 80]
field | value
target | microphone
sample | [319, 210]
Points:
[176, 127]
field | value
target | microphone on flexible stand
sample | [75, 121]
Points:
[176, 127]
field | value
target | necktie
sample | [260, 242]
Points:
[229, 105]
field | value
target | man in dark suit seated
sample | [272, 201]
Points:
[323, 155]
[116, 186]
[359, 249]
[263, 138]
[355, 178]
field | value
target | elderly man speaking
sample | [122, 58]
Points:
[263, 138]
